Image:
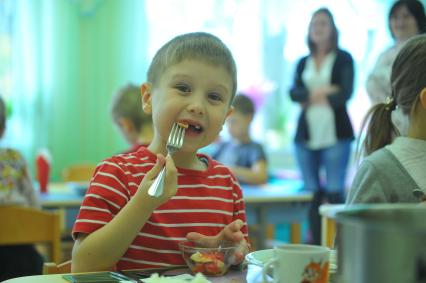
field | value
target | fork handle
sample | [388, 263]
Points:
[157, 187]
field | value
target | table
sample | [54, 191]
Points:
[62, 195]
[277, 202]
[250, 275]
[253, 274]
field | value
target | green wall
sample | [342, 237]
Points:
[80, 53]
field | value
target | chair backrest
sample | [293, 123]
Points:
[23, 225]
[78, 173]
[53, 268]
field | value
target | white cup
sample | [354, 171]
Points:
[295, 263]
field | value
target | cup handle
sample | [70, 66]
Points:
[266, 268]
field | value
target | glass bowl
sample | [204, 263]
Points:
[208, 261]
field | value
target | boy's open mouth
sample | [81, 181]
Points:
[193, 127]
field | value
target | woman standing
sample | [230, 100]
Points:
[406, 19]
[323, 84]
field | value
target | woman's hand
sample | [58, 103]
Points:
[231, 233]
[319, 95]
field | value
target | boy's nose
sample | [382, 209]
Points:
[196, 107]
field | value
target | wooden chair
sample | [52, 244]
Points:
[53, 268]
[78, 173]
[23, 225]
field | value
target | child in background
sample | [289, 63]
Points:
[245, 157]
[192, 80]
[16, 189]
[134, 124]
[395, 165]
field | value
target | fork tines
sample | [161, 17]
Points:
[176, 135]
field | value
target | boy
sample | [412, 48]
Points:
[134, 124]
[192, 80]
[246, 158]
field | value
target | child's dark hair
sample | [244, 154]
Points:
[127, 103]
[408, 79]
[243, 104]
[415, 8]
[197, 45]
[334, 38]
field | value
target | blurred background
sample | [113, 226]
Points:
[62, 60]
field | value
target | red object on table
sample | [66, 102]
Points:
[43, 171]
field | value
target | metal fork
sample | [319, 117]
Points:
[174, 143]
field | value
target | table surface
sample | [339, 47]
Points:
[253, 274]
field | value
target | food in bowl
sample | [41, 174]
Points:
[208, 261]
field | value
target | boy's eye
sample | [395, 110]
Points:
[215, 96]
[183, 88]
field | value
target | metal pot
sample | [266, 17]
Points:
[381, 243]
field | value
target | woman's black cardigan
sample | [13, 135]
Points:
[342, 75]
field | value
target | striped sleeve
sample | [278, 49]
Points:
[107, 194]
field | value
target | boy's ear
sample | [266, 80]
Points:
[230, 111]
[146, 97]
[423, 98]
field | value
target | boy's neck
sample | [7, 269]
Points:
[185, 160]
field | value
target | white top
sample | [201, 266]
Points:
[378, 81]
[411, 153]
[320, 118]
[379, 86]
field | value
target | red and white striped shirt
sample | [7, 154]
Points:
[205, 202]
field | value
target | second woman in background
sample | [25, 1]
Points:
[322, 86]
[406, 19]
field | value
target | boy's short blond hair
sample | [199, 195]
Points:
[127, 104]
[197, 45]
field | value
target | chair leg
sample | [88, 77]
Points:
[314, 217]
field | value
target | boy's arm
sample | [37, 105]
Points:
[102, 249]
[256, 175]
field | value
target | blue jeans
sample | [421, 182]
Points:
[334, 160]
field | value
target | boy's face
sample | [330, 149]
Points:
[193, 92]
[238, 125]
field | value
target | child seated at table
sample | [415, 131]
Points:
[395, 165]
[191, 80]
[16, 189]
[245, 158]
[133, 123]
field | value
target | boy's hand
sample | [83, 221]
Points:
[231, 233]
[170, 180]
